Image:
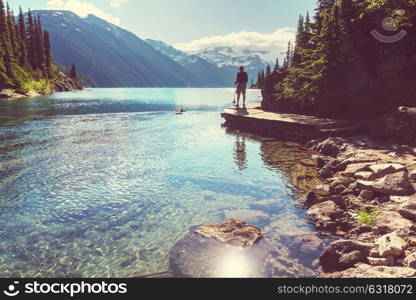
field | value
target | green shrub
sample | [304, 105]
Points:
[41, 86]
[368, 216]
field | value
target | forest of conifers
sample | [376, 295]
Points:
[337, 68]
[26, 62]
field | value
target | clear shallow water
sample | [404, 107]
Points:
[103, 182]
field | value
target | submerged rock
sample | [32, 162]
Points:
[232, 232]
[212, 252]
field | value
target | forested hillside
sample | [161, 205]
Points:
[338, 68]
[26, 62]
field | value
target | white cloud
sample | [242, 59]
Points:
[117, 3]
[82, 8]
[275, 42]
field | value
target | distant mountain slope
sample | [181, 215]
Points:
[201, 69]
[110, 55]
[167, 49]
[223, 61]
[226, 58]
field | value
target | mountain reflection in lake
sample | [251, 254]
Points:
[103, 183]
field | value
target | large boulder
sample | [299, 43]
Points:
[325, 211]
[344, 254]
[391, 245]
[232, 232]
[367, 271]
[232, 249]
[352, 169]
[381, 170]
[392, 184]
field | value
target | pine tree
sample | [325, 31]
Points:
[31, 44]
[4, 78]
[48, 55]
[14, 41]
[276, 66]
[23, 55]
[268, 70]
[308, 24]
[73, 72]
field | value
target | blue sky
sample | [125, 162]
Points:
[192, 24]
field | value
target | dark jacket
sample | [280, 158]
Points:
[242, 78]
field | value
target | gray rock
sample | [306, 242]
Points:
[392, 184]
[364, 175]
[232, 232]
[325, 211]
[408, 210]
[377, 261]
[381, 170]
[391, 221]
[391, 245]
[195, 256]
[352, 169]
[330, 147]
[412, 175]
[344, 254]
[367, 195]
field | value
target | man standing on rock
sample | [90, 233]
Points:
[242, 79]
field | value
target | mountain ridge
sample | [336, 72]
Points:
[111, 56]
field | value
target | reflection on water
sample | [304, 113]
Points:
[240, 155]
[104, 183]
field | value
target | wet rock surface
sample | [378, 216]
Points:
[233, 232]
[344, 254]
[204, 256]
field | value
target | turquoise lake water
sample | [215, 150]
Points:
[103, 182]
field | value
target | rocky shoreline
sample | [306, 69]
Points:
[368, 205]
[66, 85]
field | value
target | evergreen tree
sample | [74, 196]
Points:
[48, 55]
[73, 72]
[23, 55]
[268, 70]
[8, 57]
[308, 25]
[276, 66]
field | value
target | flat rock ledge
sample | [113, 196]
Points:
[232, 232]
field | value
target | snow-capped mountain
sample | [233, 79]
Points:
[167, 49]
[226, 56]
[225, 59]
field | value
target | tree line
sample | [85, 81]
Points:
[26, 61]
[336, 67]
